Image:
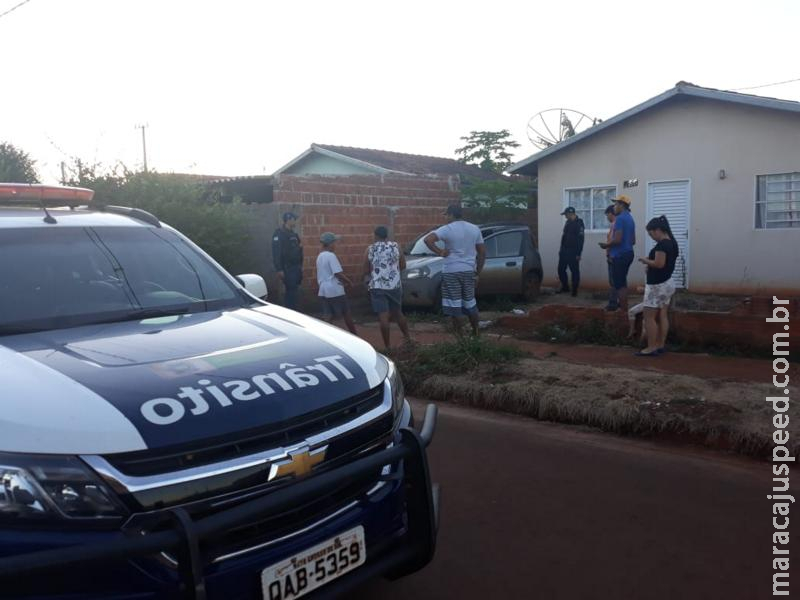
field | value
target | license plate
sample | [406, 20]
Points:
[302, 573]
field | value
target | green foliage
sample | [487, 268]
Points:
[463, 355]
[591, 331]
[16, 166]
[506, 192]
[488, 149]
[219, 229]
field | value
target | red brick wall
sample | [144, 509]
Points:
[744, 326]
[352, 206]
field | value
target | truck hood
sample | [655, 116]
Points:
[135, 385]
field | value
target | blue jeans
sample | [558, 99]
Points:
[619, 269]
[613, 295]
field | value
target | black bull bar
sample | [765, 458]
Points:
[410, 554]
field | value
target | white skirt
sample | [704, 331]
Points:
[659, 295]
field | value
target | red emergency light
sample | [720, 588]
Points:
[46, 195]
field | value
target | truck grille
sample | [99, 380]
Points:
[167, 460]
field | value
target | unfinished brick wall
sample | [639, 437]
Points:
[352, 206]
[744, 327]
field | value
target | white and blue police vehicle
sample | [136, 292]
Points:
[165, 433]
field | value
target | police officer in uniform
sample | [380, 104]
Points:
[287, 256]
[569, 256]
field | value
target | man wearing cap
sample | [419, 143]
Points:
[287, 256]
[620, 248]
[464, 254]
[331, 280]
[569, 255]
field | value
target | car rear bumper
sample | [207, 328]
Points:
[400, 521]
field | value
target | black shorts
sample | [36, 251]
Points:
[335, 307]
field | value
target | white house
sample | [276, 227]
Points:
[724, 168]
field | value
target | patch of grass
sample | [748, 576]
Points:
[422, 315]
[592, 331]
[458, 357]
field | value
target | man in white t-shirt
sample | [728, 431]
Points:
[331, 280]
[464, 255]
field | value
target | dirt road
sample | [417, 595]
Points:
[537, 510]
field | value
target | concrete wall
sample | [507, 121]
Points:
[687, 138]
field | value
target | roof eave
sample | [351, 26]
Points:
[535, 158]
[529, 165]
[356, 162]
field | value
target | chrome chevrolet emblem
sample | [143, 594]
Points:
[299, 463]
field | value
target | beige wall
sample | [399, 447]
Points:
[687, 138]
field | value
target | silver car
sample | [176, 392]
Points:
[513, 266]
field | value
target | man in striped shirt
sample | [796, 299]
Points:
[464, 254]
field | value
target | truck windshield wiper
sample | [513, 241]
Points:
[154, 313]
[143, 313]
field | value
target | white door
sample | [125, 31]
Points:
[671, 198]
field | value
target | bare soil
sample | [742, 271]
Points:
[716, 413]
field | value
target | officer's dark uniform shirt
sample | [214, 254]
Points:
[572, 238]
[286, 249]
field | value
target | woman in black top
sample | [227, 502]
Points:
[660, 287]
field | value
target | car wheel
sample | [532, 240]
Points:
[531, 286]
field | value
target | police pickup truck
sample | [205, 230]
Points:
[165, 433]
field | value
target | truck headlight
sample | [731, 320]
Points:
[55, 489]
[417, 273]
[396, 385]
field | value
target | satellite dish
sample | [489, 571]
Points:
[554, 125]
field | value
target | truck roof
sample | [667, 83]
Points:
[15, 217]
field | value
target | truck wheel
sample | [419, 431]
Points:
[531, 286]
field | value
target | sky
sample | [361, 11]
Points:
[241, 87]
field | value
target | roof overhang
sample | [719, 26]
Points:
[315, 149]
[530, 165]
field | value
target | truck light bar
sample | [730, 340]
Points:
[44, 195]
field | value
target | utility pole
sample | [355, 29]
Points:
[63, 173]
[144, 145]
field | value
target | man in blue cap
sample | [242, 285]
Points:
[287, 256]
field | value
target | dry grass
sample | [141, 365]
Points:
[715, 413]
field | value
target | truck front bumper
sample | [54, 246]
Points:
[400, 521]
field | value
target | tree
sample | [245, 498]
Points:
[488, 149]
[219, 229]
[16, 166]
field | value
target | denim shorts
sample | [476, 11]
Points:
[386, 300]
[335, 307]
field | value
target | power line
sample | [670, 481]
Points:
[755, 87]
[13, 8]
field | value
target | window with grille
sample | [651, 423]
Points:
[778, 201]
[590, 205]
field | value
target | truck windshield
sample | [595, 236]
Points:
[51, 278]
